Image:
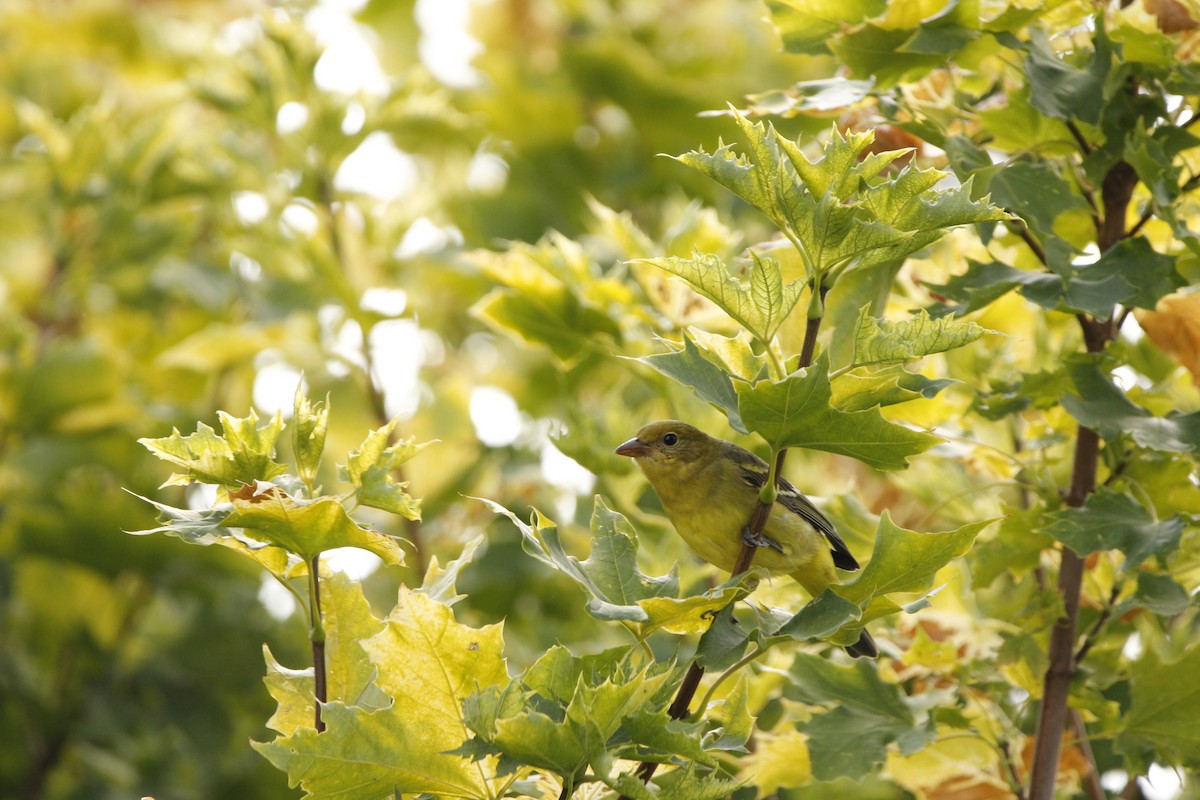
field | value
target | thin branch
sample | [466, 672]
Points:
[758, 522]
[1091, 779]
[1014, 779]
[317, 635]
[750, 657]
[1023, 232]
[1078, 137]
[1052, 715]
[1089, 639]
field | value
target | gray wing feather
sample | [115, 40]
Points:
[754, 471]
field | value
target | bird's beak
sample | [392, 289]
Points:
[634, 448]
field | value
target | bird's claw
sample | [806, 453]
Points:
[759, 540]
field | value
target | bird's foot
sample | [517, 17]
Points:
[761, 540]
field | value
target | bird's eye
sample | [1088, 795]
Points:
[670, 439]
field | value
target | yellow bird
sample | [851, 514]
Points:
[709, 487]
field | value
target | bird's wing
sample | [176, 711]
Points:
[754, 471]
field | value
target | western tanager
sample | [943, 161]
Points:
[709, 487]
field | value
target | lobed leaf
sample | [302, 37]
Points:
[305, 527]
[797, 412]
[1111, 520]
[1165, 703]
[881, 341]
[241, 454]
[711, 382]
[906, 561]
[760, 305]
[371, 467]
[310, 424]
[429, 663]
[1098, 404]
[371, 755]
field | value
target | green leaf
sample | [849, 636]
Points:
[1039, 195]
[348, 622]
[843, 208]
[796, 412]
[1148, 274]
[1161, 723]
[242, 454]
[292, 690]
[567, 713]
[310, 423]
[884, 53]
[1016, 546]
[881, 341]
[1062, 90]
[202, 527]
[617, 590]
[1161, 594]
[907, 561]
[723, 643]
[690, 783]
[1110, 520]
[808, 27]
[372, 465]
[611, 566]
[688, 615]
[206, 527]
[552, 297]
[305, 528]
[868, 715]
[760, 305]
[863, 388]
[711, 383]
[983, 284]
[824, 616]
[1098, 404]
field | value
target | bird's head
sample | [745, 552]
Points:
[667, 445]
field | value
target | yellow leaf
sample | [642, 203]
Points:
[1174, 325]
[781, 760]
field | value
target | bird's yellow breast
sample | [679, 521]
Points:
[715, 534]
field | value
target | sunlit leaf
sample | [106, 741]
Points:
[881, 341]
[378, 753]
[760, 304]
[864, 388]
[372, 466]
[310, 424]
[241, 454]
[429, 663]
[440, 582]
[306, 527]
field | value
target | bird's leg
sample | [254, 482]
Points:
[762, 540]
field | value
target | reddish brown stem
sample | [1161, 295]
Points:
[317, 634]
[680, 706]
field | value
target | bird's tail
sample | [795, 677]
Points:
[864, 647]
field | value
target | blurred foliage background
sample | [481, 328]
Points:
[201, 200]
[204, 201]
